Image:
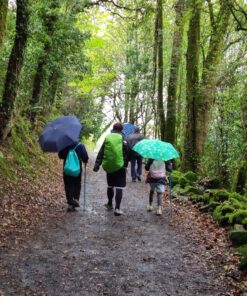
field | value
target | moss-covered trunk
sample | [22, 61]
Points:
[189, 160]
[210, 76]
[241, 180]
[160, 76]
[3, 18]
[200, 97]
[14, 69]
[50, 19]
[170, 130]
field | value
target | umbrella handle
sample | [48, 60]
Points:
[84, 200]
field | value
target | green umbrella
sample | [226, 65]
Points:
[156, 149]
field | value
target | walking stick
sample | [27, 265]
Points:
[170, 193]
[84, 199]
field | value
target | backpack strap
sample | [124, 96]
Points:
[77, 146]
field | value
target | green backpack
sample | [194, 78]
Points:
[72, 163]
[113, 153]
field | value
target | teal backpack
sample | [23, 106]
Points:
[72, 163]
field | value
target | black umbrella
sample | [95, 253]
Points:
[60, 133]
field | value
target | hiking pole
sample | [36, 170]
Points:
[84, 199]
[170, 194]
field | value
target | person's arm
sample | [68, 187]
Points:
[126, 153]
[148, 165]
[169, 165]
[84, 154]
[63, 153]
[99, 159]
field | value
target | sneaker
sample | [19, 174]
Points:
[139, 178]
[70, 208]
[108, 207]
[118, 212]
[149, 208]
[159, 211]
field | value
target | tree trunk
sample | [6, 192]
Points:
[210, 76]
[241, 182]
[170, 130]
[3, 18]
[192, 80]
[160, 103]
[49, 24]
[14, 69]
[200, 98]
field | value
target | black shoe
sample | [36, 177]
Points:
[109, 207]
[71, 208]
[139, 178]
[133, 180]
[75, 203]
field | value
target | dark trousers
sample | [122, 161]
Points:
[136, 166]
[118, 196]
[72, 186]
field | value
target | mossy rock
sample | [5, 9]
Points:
[211, 183]
[243, 264]
[242, 250]
[238, 227]
[244, 223]
[238, 237]
[191, 176]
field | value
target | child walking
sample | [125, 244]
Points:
[157, 180]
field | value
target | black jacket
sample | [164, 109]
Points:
[80, 151]
[100, 155]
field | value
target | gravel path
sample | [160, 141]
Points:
[95, 253]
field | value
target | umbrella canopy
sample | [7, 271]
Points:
[60, 133]
[128, 128]
[156, 149]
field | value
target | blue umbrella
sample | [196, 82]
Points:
[60, 133]
[128, 128]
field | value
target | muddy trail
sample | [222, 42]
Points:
[94, 252]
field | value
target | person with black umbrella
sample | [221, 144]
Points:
[61, 135]
[72, 184]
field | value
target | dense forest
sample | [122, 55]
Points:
[176, 68]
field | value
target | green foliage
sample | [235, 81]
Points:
[191, 176]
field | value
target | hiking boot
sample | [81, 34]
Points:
[109, 207]
[139, 178]
[149, 208]
[118, 212]
[70, 208]
[159, 211]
